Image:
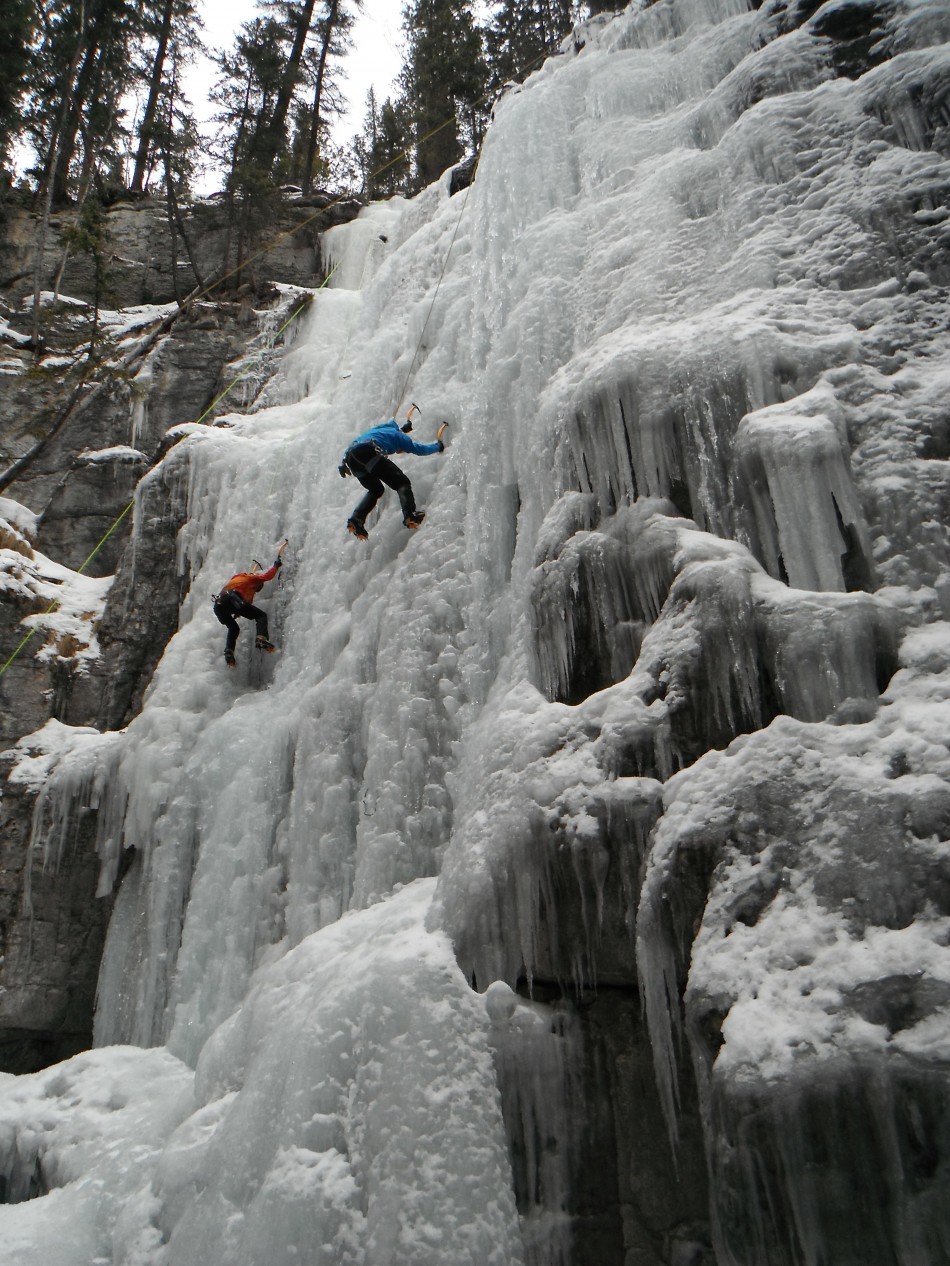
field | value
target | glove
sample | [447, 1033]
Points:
[441, 446]
[343, 469]
[406, 427]
[278, 562]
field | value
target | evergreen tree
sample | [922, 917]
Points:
[247, 93]
[89, 235]
[80, 73]
[281, 62]
[522, 33]
[172, 27]
[382, 150]
[442, 84]
[270, 135]
[17, 30]
[176, 143]
[332, 33]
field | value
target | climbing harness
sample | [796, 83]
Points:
[227, 600]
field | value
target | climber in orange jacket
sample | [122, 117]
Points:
[235, 600]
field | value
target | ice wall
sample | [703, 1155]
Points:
[686, 327]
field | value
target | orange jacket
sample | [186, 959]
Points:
[249, 583]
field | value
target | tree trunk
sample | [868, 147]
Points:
[78, 94]
[232, 178]
[47, 185]
[314, 137]
[151, 106]
[174, 214]
[269, 141]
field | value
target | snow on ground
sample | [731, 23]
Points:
[81, 1138]
[19, 517]
[13, 336]
[384, 1144]
[124, 321]
[48, 297]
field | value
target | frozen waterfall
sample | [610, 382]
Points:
[655, 704]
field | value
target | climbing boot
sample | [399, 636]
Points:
[360, 532]
[229, 659]
[413, 520]
[262, 644]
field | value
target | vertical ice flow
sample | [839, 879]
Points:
[665, 343]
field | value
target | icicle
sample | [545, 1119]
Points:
[821, 649]
[537, 1053]
[594, 592]
[808, 518]
[71, 768]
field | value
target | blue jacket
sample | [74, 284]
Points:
[389, 439]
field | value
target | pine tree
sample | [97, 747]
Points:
[17, 31]
[443, 83]
[89, 235]
[332, 42]
[313, 34]
[175, 142]
[173, 26]
[84, 70]
[382, 149]
[78, 75]
[246, 93]
[270, 135]
[522, 33]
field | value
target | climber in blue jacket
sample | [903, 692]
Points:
[368, 459]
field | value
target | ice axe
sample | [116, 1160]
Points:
[407, 425]
[258, 566]
[279, 562]
[439, 433]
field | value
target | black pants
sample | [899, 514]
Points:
[234, 605]
[373, 470]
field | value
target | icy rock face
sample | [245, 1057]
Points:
[384, 1146]
[817, 999]
[657, 692]
[52, 930]
[80, 646]
[720, 648]
[781, 449]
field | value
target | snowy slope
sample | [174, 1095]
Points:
[691, 343]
